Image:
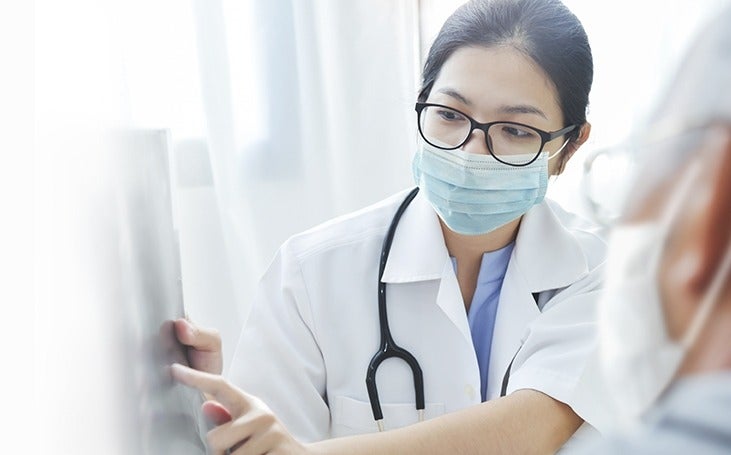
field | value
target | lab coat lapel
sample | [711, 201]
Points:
[546, 256]
[515, 312]
[418, 253]
[450, 301]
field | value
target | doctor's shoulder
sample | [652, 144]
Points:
[588, 242]
[367, 224]
[591, 236]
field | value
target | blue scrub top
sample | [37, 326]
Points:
[481, 315]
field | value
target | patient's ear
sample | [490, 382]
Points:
[715, 230]
[699, 236]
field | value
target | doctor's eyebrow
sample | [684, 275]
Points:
[456, 95]
[508, 109]
[522, 109]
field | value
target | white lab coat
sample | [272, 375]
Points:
[313, 326]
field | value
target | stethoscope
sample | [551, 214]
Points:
[389, 348]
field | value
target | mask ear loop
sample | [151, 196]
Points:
[555, 154]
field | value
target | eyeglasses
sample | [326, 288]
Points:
[616, 178]
[514, 144]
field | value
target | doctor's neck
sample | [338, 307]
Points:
[468, 247]
[468, 251]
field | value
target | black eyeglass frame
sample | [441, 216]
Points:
[544, 135]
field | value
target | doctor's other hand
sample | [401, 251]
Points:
[245, 425]
[203, 345]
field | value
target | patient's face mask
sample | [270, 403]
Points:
[638, 357]
[475, 194]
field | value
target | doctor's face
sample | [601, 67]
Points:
[499, 84]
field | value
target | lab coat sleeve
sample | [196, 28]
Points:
[277, 357]
[557, 349]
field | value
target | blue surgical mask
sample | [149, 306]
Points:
[476, 194]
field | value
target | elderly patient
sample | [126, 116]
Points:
[665, 317]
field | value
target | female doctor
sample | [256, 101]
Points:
[479, 291]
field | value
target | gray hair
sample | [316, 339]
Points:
[701, 90]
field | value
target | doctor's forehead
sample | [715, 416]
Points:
[488, 79]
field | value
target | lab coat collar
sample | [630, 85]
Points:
[546, 252]
[418, 251]
[546, 256]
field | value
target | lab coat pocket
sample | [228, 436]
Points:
[350, 416]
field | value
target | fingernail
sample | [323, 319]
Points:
[188, 327]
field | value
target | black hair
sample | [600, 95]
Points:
[544, 30]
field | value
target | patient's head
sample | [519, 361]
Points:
[666, 309]
[693, 126]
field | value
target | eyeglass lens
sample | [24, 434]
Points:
[509, 142]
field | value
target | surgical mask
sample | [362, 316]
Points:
[638, 357]
[475, 194]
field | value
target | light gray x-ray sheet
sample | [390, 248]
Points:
[161, 417]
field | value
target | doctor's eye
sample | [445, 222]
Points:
[450, 115]
[517, 132]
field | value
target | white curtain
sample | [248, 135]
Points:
[308, 109]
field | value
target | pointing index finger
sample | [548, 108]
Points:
[230, 396]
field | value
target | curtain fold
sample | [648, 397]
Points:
[322, 124]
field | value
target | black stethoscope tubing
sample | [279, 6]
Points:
[388, 347]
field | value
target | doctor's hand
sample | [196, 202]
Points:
[204, 346]
[245, 425]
